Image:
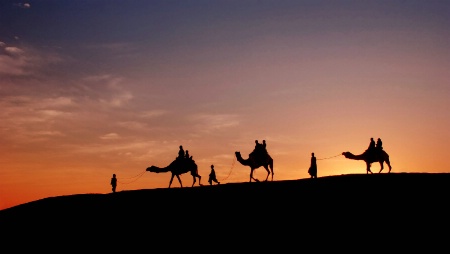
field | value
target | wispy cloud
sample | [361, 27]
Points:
[118, 100]
[133, 125]
[17, 61]
[116, 96]
[123, 147]
[22, 5]
[153, 113]
[13, 51]
[27, 119]
[211, 122]
[110, 136]
[57, 102]
[12, 61]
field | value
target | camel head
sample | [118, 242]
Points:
[347, 154]
[154, 169]
[238, 155]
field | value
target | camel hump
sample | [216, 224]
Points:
[259, 155]
[378, 154]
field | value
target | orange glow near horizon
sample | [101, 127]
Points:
[33, 183]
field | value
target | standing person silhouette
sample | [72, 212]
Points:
[114, 183]
[212, 176]
[313, 167]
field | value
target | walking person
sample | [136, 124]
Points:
[114, 183]
[212, 176]
[313, 167]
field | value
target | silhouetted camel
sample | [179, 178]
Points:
[177, 167]
[255, 162]
[369, 157]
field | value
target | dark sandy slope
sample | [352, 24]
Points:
[371, 210]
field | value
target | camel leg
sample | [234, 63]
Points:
[382, 167]
[195, 180]
[389, 165]
[368, 169]
[171, 179]
[268, 172]
[271, 170]
[179, 180]
[251, 176]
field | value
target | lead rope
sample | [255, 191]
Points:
[136, 177]
[330, 157]
[231, 169]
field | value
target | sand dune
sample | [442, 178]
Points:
[356, 205]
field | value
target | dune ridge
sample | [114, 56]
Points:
[391, 202]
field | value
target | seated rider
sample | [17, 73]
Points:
[181, 153]
[187, 156]
[260, 150]
[379, 144]
[371, 145]
[257, 145]
[371, 149]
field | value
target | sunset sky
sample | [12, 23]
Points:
[91, 88]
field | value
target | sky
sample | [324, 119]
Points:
[91, 88]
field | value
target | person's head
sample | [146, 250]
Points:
[114, 175]
[379, 139]
[371, 139]
[212, 166]
[256, 141]
[187, 151]
[181, 147]
[264, 141]
[312, 154]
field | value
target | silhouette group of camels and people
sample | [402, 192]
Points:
[374, 153]
[259, 157]
[184, 163]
